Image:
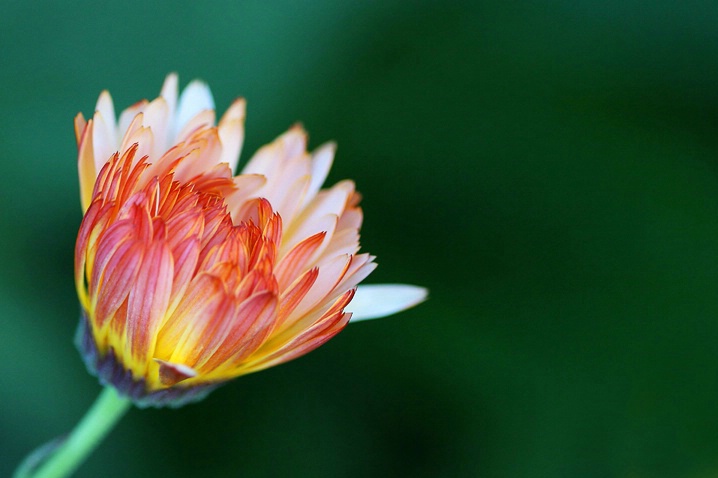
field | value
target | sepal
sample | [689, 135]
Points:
[111, 373]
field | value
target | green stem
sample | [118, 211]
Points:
[69, 455]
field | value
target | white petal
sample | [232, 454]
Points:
[375, 301]
[196, 97]
[157, 118]
[169, 92]
[104, 141]
[107, 110]
[322, 159]
[231, 133]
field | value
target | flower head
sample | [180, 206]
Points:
[189, 276]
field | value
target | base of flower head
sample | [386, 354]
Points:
[112, 373]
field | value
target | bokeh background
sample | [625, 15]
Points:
[547, 168]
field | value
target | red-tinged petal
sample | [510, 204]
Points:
[245, 331]
[269, 222]
[140, 136]
[328, 277]
[185, 224]
[325, 224]
[204, 332]
[118, 178]
[293, 295]
[359, 268]
[223, 247]
[135, 224]
[95, 231]
[148, 301]
[185, 256]
[82, 249]
[111, 284]
[310, 340]
[200, 301]
[298, 341]
[215, 180]
[298, 259]
[257, 280]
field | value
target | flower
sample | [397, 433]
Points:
[189, 276]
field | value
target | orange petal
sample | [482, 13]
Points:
[148, 300]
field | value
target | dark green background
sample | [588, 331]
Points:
[547, 168]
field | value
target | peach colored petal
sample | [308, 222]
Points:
[231, 133]
[245, 189]
[80, 124]
[140, 136]
[127, 117]
[86, 164]
[156, 117]
[320, 215]
[321, 163]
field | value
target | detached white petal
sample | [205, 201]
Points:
[375, 301]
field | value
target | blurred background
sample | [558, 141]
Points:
[547, 168]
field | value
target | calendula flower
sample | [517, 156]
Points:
[188, 275]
